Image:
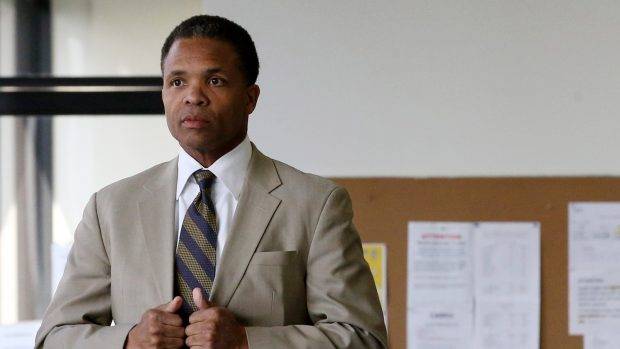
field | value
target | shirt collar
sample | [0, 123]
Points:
[230, 169]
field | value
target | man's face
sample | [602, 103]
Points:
[206, 97]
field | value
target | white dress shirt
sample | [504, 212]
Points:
[230, 171]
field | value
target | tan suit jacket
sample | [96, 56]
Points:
[292, 270]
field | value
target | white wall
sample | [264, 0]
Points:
[366, 88]
[437, 88]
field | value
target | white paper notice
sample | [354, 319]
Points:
[443, 325]
[594, 297]
[507, 325]
[594, 267]
[601, 342]
[507, 261]
[439, 261]
[440, 289]
[594, 234]
[507, 287]
[473, 285]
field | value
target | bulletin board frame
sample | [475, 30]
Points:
[384, 206]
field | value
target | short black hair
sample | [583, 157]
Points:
[220, 28]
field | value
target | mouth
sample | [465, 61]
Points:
[193, 122]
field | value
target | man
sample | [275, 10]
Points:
[282, 264]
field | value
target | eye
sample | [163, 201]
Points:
[216, 81]
[176, 82]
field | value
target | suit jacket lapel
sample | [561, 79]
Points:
[254, 211]
[156, 209]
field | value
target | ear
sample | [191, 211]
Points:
[253, 92]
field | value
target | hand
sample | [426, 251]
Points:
[159, 328]
[214, 327]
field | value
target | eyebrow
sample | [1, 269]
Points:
[184, 72]
[213, 70]
[177, 72]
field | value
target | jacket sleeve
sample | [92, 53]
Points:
[342, 300]
[80, 314]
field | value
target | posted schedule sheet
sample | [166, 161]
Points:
[473, 285]
[594, 272]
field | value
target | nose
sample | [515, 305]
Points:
[195, 96]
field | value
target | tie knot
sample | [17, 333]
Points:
[204, 178]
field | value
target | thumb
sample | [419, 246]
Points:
[199, 300]
[173, 305]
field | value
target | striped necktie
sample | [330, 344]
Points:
[195, 257]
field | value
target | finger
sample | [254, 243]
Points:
[201, 340]
[166, 342]
[199, 327]
[169, 331]
[166, 313]
[170, 319]
[199, 300]
[173, 305]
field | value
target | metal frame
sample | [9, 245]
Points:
[24, 96]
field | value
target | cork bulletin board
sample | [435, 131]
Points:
[383, 207]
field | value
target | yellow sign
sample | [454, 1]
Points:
[375, 255]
